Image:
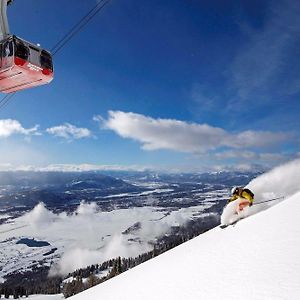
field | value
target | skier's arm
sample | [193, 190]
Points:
[234, 197]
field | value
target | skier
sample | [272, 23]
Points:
[237, 206]
[245, 196]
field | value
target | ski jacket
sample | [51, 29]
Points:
[243, 193]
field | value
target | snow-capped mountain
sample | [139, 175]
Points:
[258, 258]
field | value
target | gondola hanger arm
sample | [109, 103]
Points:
[4, 27]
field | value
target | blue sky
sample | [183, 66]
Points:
[177, 85]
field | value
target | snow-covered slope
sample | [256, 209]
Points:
[259, 258]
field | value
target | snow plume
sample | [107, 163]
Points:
[40, 215]
[82, 257]
[229, 215]
[119, 246]
[75, 259]
[85, 208]
[281, 181]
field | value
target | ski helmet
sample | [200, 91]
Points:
[234, 190]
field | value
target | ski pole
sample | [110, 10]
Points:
[282, 197]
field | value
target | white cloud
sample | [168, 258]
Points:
[182, 136]
[10, 127]
[69, 131]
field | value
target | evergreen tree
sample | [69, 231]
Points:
[92, 281]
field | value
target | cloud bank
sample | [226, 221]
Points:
[170, 134]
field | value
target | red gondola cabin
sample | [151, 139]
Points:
[23, 65]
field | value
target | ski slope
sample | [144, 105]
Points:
[259, 258]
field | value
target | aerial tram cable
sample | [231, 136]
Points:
[3, 100]
[6, 99]
[85, 19]
[60, 44]
[81, 26]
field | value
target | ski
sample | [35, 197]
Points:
[223, 226]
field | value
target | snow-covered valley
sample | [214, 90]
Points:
[91, 233]
[87, 234]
